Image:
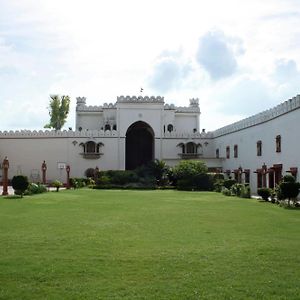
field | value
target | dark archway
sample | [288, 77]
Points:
[139, 145]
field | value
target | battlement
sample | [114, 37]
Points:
[188, 135]
[28, 134]
[140, 99]
[265, 116]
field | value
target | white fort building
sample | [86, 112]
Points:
[134, 130]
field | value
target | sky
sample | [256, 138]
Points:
[237, 57]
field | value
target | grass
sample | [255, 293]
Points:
[96, 244]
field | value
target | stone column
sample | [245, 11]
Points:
[44, 169]
[68, 176]
[5, 166]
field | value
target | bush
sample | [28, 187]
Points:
[245, 191]
[264, 193]
[121, 176]
[289, 189]
[35, 188]
[226, 191]
[236, 189]
[89, 173]
[228, 183]
[192, 175]
[57, 184]
[20, 184]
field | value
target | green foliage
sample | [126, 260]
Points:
[19, 184]
[228, 183]
[57, 184]
[289, 189]
[192, 175]
[189, 168]
[245, 191]
[226, 191]
[89, 173]
[78, 182]
[121, 176]
[35, 188]
[264, 193]
[58, 111]
[159, 170]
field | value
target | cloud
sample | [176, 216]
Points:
[169, 72]
[217, 54]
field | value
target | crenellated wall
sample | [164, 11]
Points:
[262, 117]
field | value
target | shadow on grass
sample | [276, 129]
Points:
[13, 197]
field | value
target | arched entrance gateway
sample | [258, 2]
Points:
[139, 145]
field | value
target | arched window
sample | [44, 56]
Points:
[259, 148]
[114, 127]
[90, 147]
[107, 127]
[227, 152]
[235, 151]
[278, 143]
[170, 128]
[191, 148]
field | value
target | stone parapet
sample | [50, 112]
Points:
[187, 135]
[140, 99]
[57, 134]
[265, 116]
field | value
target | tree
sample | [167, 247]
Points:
[58, 111]
[289, 188]
[192, 175]
[20, 184]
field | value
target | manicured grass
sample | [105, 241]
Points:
[96, 244]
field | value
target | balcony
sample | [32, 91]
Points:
[189, 155]
[91, 155]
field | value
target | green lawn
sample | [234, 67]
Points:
[94, 244]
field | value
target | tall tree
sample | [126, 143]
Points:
[58, 111]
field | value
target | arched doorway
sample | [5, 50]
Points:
[139, 145]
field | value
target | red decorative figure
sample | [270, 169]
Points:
[44, 169]
[5, 166]
[68, 176]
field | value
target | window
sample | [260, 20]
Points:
[115, 127]
[227, 152]
[107, 127]
[247, 175]
[195, 130]
[278, 143]
[191, 148]
[170, 127]
[91, 149]
[217, 153]
[235, 151]
[258, 148]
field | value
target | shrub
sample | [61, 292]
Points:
[89, 173]
[218, 185]
[264, 193]
[226, 191]
[57, 184]
[228, 183]
[289, 189]
[121, 176]
[192, 175]
[35, 188]
[236, 189]
[20, 184]
[245, 191]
